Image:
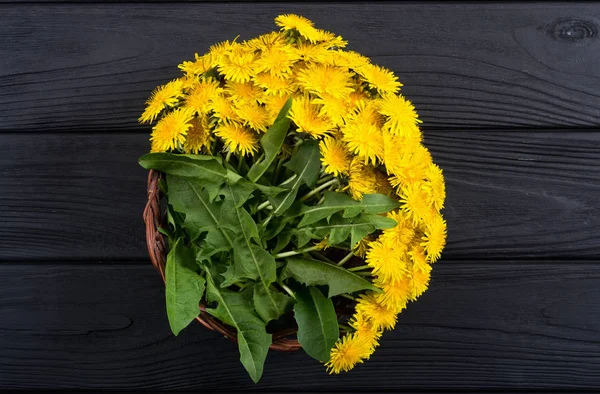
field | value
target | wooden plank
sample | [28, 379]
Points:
[90, 67]
[480, 326]
[510, 194]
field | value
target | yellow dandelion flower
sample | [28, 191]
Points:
[332, 107]
[306, 117]
[396, 293]
[379, 78]
[356, 100]
[402, 117]
[382, 184]
[418, 259]
[311, 52]
[276, 60]
[162, 97]
[330, 40]
[365, 330]
[361, 179]
[237, 65]
[401, 235]
[243, 92]
[435, 186]
[265, 41]
[397, 151]
[347, 59]
[362, 246]
[380, 316]
[223, 109]
[238, 139]
[198, 100]
[273, 105]
[254, 116]
[347, 352]
[171, 130]
[323, 244]
[414, 202]
[419, 280]
[274, 85]
[335, 156]
[434, 239]
[188, 81]
[198, 136]
[366, 113]
[200, 65]
[388, 263]
[218, 51]
[409, 166]
[299, 23]
[365, 140]
[323, 79]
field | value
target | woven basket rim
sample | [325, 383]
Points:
[157, 250]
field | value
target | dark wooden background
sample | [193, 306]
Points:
[510, 99]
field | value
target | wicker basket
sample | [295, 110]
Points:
[157, 248]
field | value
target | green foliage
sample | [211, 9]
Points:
[314, 273]
[339, 228]
[306, 165]
[338, 202]
[272, 142]
[184, 287]
[238, 221]
[318, 328]
[235, 308]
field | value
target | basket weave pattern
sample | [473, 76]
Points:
[157, 249]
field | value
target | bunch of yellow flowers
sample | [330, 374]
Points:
[369, 141]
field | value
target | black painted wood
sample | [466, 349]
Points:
[90, 66]
[510, 194]
[480, 326]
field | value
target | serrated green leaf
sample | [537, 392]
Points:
[270, 190]
[184, 287]
[209, 169]
[187, 196]
[340, 202]
[378, 203]
[338, 229]
[272, 141]
[270, 304]
[283, 240]
[332, 203]
[305, 163]
[235, 309]
[318, 328]
[316, 273]
[250, 260]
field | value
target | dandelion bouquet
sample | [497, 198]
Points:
[298, 193]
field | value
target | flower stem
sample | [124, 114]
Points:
[240, 162]
[345, 259]
[294, 252]
[363, 273]
[288, 290]
[228, 157]
[359, 268]
[267, 220]
[318, 189]
[321, 257]
[263, 205]
[288, 180]
[324, 179]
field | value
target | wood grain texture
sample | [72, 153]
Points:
[91, 66]
[481, 325]
[510, 195]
